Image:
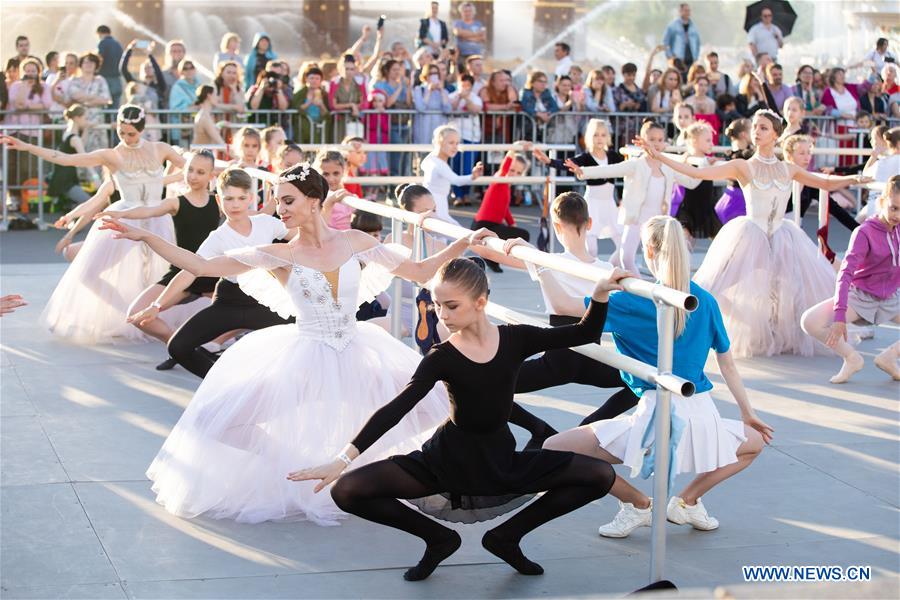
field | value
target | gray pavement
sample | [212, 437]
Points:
[80, 425]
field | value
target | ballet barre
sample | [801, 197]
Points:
[426, 148]
[485, 180]
[656, 292]
[673, 383]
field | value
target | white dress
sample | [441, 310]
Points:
[291, 396]
[764, 271]
[604, 213]
[90, 303]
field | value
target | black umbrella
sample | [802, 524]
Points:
[783, 15]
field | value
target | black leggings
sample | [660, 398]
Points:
[559, 367]
[230, 309]
[372, 492]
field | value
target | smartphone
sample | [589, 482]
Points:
[434, 79]
[142, 44]
[380, 22]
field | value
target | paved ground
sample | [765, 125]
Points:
[80, 425]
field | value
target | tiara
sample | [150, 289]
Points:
[301, 176]
[140, 117]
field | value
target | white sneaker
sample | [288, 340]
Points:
[680, 513]
[627, 520]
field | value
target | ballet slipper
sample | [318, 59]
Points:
[852, 363]
[887, 362]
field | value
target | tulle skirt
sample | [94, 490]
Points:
[763, 285]
[277, 401]
[707, 442]
[90, 303]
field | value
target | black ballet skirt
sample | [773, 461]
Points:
[472, 459]
[192, 226]
[697, 212]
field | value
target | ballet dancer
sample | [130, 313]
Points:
[438, 174]
[601, 193]
[868, 288]
[697, 210]
[762, 269]
[195, 215]
[293, 392]
[472, 453]
[231, 309]
[90, 303]
[648, 188]
[713, 447]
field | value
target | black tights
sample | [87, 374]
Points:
[231, 309]
[372, 492]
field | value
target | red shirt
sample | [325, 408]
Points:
[495, 205]
[353, 188]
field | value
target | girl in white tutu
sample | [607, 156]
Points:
[713, 447]
[763, 270]
[90, 303]
[291, 392]
[868, 288]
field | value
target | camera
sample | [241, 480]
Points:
[272, 78]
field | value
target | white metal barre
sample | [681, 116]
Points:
[633, 285]
[673, 383]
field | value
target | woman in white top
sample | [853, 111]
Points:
[648, 188]
[438, 174]
[229, 50]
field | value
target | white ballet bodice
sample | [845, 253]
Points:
[767, 194]
[325, 303]
[140, 180]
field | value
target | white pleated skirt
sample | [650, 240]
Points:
[707, 442]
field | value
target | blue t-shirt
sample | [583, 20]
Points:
[389, 90]
[632, 322]
[466, 47]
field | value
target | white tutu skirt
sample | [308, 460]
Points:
[90, 302]
[603, 212]
[277, 401]
[764, 284]
[707, 442]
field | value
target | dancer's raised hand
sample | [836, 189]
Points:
[326, 474]
[646, 146]
[476, 238]
[570, 164]
[121, 230]
[609, 284]
[511, 243]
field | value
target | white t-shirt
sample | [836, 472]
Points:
[263, 229]
[845, 103]
[573, 286]
[765, 39]
[563, 66]
[438, 178]
[878, 59]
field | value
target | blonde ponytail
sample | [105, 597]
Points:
[671, 259]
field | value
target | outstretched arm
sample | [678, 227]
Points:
[732, 169]
[97, 158]
[220, 266]
[381, 421]
[829, 183]
[169, 206]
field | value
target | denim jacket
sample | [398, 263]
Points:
[674, 40]
[529, 101]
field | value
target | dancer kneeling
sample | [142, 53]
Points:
[709, 445]
[868, 288]
[473, 453]
[290, 392]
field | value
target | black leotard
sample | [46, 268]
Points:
[192, 225]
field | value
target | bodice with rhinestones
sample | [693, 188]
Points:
[326, 302]
[768, 193]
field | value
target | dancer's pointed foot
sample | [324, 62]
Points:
[167, 364]
[511, 553]
[434, 554]
[852, 364]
